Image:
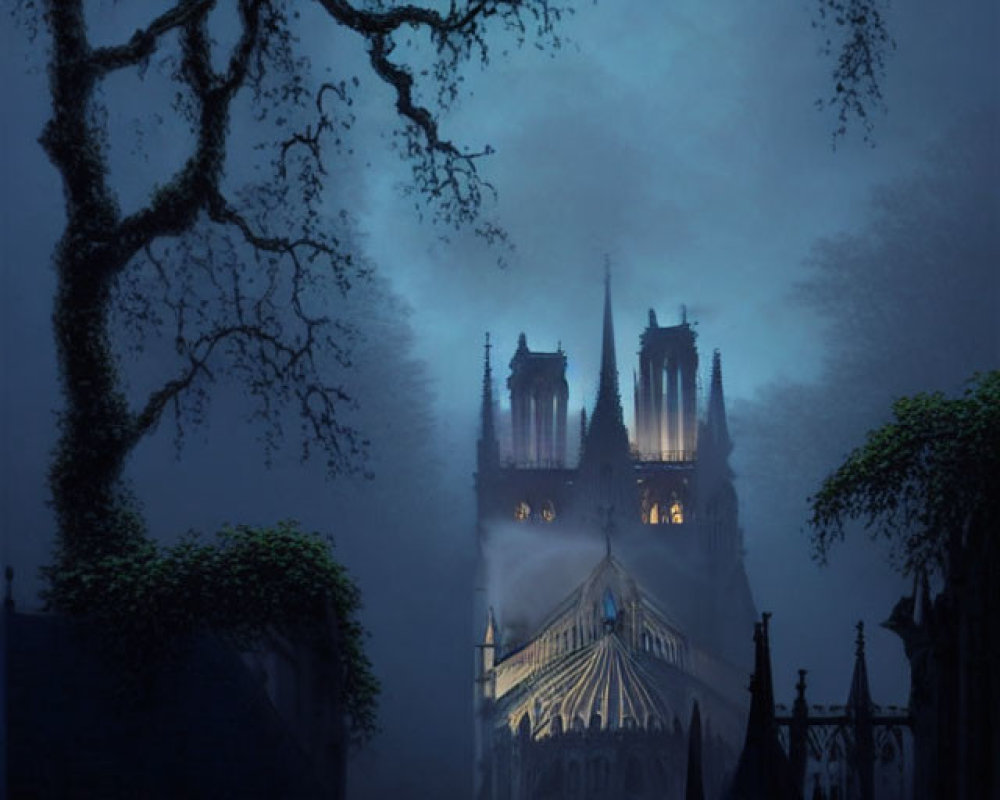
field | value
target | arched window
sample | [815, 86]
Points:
[676, 513]
[522, 511]
[609, 606]
[548, 511]
[524, 726]
[654, 514]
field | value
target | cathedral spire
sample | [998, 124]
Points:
[607, 478]
[763, 769]
[607, 414]
[695, 789]
[861, 758]
[490, 636]
[489, 450]
[762, 685]
[609, 369]
[860, 698]
[716, 424]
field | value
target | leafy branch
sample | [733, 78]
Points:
[249, 585]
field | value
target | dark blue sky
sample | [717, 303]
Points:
[680, 139]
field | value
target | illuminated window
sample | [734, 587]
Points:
[676, 513]
[522, 511]
[654, 514]
[548, 511]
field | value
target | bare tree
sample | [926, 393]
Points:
[194, 248]
[276, 335]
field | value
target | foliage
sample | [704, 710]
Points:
[864, 42]
[929, 482]
[247, 585]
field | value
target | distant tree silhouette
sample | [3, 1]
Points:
[929, 482]
[906, 303]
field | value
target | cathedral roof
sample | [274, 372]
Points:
[585, 667]
[601, 687]
[609, 582]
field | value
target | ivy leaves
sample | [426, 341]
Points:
[929, 481]
[247, 585]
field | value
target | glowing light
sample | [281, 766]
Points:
[522, 511]
[548, 511]
[676, 513]
[654, 514]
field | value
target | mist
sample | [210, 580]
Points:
[679, 139]
[908, 303]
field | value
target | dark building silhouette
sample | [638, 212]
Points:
[206, 722]
[612, 592]
[848, 752]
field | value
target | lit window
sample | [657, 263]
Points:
[676, 513]
[548, 511]
[654, 514]
[522, 511]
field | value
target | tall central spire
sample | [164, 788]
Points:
[606, 467]
[608, 390]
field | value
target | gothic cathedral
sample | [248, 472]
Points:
[614, 604]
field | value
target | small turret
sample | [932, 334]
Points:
[860, 711]
[763, 769]
[695, 789]
[487, 657]
[716, 427]
[798, 734]
[489, 449]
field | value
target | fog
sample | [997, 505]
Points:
[680, 139]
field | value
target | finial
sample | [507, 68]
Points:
[800, 687]
[684, 314]
[608, 527]
[860, 640]
[489, 639]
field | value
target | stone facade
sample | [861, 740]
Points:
[612, 591]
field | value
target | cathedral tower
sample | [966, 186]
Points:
[614, 596]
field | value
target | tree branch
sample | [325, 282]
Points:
[145, 40]
[380, 23]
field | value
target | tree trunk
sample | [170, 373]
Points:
[95, 426]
